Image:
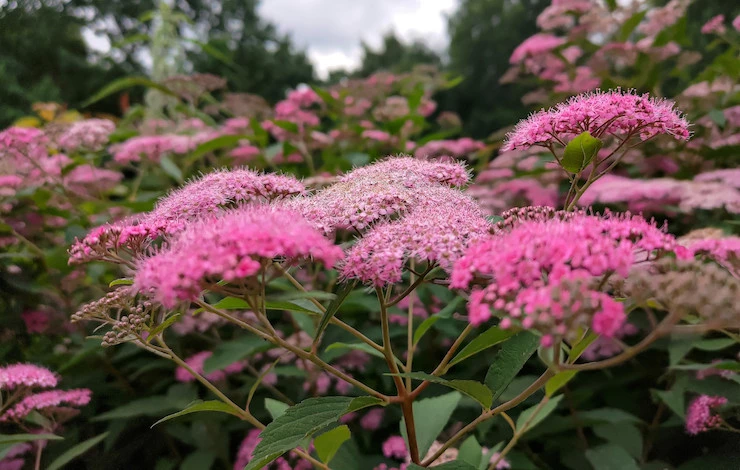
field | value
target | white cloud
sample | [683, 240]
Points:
[331, 30]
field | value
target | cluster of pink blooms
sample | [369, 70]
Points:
[600, 113]
[152, 147]
[460, 148]
[716, 25]
[658, 19]
[376, 192]
[543, 273]
[705, 192]
[604, 347]
[88, 135]
[232, 246]
[22, 378]
[395, 448]
[560, 14]
[701, 415]
[246, 450]
[13, 459]
[202, 197]
[196, 362]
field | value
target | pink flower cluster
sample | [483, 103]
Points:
[246, 451]
[701, 415]
[604, 347]
[395, 448]
[88, 135]
[600, 113]
[202, 197]
[231, 246]
[376, 192]
[196, 362]
[534, 46]
[561, 13]
[26, 375]
[11, 460]
[462, 147]
[715, 25]
[543, 273]
[152, 147]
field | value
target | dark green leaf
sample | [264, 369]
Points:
[333, 307]
[327, 445]
[170, 168]
[629, 26]
[211, 405]
[122, 84]
[610, 457]
[581, 346]
[475, 390]
[533, 416]
[580, 151]
[509, 361]
[431, 416]
[18, 438]
[287, 125]
[485, 340]
[215, 144]
[674, 399]
[623, 435]
[198, 460]
[299, 305]
[163, 326]
[424, 327]
[471, 451]
[229, 352]
[75, 452]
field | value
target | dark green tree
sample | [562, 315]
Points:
[483, 34]
[396, 56]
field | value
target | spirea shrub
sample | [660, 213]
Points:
[337, 282]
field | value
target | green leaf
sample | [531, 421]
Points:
[198, 406]
[299, 305]
[623, 435]
[287, 125]
[275, 408]
[301, 422]
[122, 84]
[715, 344]
[485, 340]
[424, 327]
[449, 309]
[610, 457]
[674, 399]
[475, 390]
[629, 26]
[215, 144]
[578, 348]
[121, 282]
[580, 151]
[18, 438]
[558, 381]
[327, 445]
[198, 460]
[333, 307]
[456, 465]
[608, 415]
[471, 451]
[533, 416]
[231, 303]
[232, 351]
[360, 347]
[509, 360]
[171, 168]
[75, 452]
[151, 406]
[718, 117]
[431, 416]
[162, 326]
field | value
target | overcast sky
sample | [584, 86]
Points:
[331, 30]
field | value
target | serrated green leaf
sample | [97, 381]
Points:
[558, 381]
[611, 457]
[471, 452]
[424, 327]
[533, 416]
[333, 307]
[431, 416]
[299, 423]
[275, 408]
[327, 445]
[509, 360]
[75, 452]
[229, 352]
[298, 305]
[580, 151]
[475, 390]
[211, 405]
[485, 340]
[121, 282]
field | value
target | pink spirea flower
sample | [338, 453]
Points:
[152, 147]
[700, 415]
[714, 25]
[36, 321]
[395, 448]
[89, 178]
[604, 347]
[231, 246]
[196, 362]
[372, 419]
[26, 375]
[379, 136]
[657, 19]
[244, 153]
[736, 23]
[246, 451]
[200, 197]
[437, 229]
[90, 135]
[542, 273]
[44, 400]
[11, 461]
[456, 148]
[376, 192]
[612, 112]
[535, 45]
